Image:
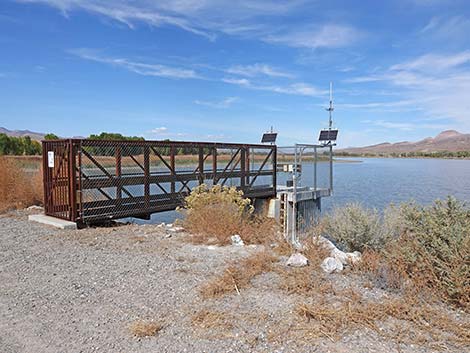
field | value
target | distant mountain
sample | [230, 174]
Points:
[22, 133]
[449, 140]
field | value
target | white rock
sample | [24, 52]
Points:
[327, 244]
[339, 255]
[331, 264]
[35, 208]
[237, 240]
[346, 258]
[354, 257]
[297, 260]
[212, 247]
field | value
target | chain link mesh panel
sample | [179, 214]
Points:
[136, 178]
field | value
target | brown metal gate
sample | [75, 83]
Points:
[60, 188]
[92, 180]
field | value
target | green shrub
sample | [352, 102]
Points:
[354, 227]
[434, 248]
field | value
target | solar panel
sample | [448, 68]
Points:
[328, 135]
[269, 137]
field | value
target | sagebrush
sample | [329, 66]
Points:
[434, 249]
[356, 228]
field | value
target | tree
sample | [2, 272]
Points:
[51, 136]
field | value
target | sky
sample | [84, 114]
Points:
[219, 70]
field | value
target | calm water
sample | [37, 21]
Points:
[377, 182]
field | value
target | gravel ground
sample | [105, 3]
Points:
[79, 291]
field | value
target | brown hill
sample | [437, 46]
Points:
[449, 140]
[22, 133]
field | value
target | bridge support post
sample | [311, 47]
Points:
[147, 176]
[172, 167]
[214, 165]
[117, 154]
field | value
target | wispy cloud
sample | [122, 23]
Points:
[163, 132]
[445, 28]
[159, 70]
[159, 130]
[223, 104]
[257, 70]
[244, 18]
[434, 63]
[326, 36]
[391, 106]
[300, 88]
[404, 126]
[140, 68]
[204, 18]
[439, 84]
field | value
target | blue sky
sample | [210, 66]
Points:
[228, 70]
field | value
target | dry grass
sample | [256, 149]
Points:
[314, 252]
[18, 189]
[213, 224]
[406, 320]
[310, 279]
[304, 281]
[144, 328]
[214, 214]
[238, 275]
[212, 319]
[375, 267]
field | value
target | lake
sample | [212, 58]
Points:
[377, 182]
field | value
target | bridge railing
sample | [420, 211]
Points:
[91, 180]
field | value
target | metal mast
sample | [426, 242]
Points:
[330, 108]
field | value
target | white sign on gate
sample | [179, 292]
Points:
[50, 159]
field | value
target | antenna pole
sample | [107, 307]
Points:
[330, 108]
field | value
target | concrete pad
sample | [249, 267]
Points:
[52, 221]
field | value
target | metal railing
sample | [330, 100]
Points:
[308, 177]
[92, 180]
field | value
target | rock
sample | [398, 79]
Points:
[346, 258]
[297, 260]
[354, 257]
[327, 244]
[175, 229]
[339, 255]
[35, 208]
[331, 264]
[237, 240]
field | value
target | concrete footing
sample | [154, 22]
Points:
[52, 221]
[296, 210]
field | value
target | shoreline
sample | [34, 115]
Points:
[407, 157]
